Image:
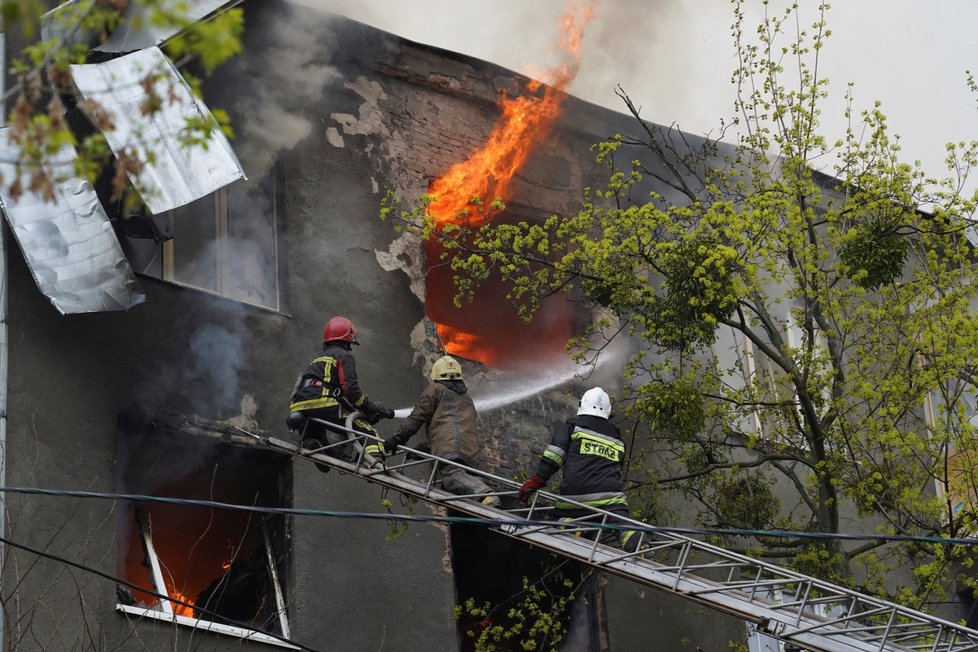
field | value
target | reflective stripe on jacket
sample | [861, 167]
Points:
[590, 453]
[330, 381]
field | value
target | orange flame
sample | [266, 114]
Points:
[460, 341]
[226, 564]
[525, 122]
[181, 609]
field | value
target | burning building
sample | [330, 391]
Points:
[158, 403]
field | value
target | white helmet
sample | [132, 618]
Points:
[595, 402]
[446, 368]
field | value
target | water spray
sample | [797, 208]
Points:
[493, 395]
[521, 389]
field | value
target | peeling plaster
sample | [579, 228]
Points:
[446, 555]
[406, 254]
[424, 341]
[347, 120]
[334, 138]
[370, 120]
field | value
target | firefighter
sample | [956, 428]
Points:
[329, 390]
[448, 414]
[589, 450]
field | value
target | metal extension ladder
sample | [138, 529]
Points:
[813, 614]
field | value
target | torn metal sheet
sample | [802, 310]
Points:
[69, 244]
[135, 32]
[174, 174]
[63, 23]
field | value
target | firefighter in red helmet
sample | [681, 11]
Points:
[329, 390]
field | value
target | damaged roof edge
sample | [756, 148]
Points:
[69, 244]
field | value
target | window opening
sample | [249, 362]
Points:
[225, 243]
[734, 351]
[490, 568]
[958, 487]
[227, 565]
[755, 377]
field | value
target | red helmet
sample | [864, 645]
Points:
[340, 328]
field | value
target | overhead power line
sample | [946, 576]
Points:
[434, 518]
[143, 589]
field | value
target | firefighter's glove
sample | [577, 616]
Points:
[381, 411]
[372, 418]
[529, 488]
[295, 420]
[399, 439]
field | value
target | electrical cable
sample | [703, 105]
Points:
[95, 571]
[389, 516]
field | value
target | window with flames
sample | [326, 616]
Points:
[222, 568]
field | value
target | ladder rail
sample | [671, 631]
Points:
[671, 561]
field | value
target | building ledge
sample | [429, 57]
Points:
[206, 625]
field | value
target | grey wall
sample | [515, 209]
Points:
[344, 112]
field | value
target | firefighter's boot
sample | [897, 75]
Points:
[311, 446]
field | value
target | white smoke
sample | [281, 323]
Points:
[674, 59]
[276, 90]
[216, 362]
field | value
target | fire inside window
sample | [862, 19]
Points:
[222, 568]
[225, 243]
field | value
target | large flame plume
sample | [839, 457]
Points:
[487, 332]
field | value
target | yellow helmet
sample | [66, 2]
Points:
[446, 368]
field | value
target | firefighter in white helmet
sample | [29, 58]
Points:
[448, 415]
[589, 451]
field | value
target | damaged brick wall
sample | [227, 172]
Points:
[423, 110]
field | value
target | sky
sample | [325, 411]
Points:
[674, 58]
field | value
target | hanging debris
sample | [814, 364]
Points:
[68, 241]
[173, 172]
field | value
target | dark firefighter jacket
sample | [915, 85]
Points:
[448, 414]
[590, 452]
[329, 383]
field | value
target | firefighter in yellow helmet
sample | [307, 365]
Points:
[329, 390]
[449, 417]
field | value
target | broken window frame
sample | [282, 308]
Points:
[224, 238]
[163, 610]
[151, 451]
[222, 272]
